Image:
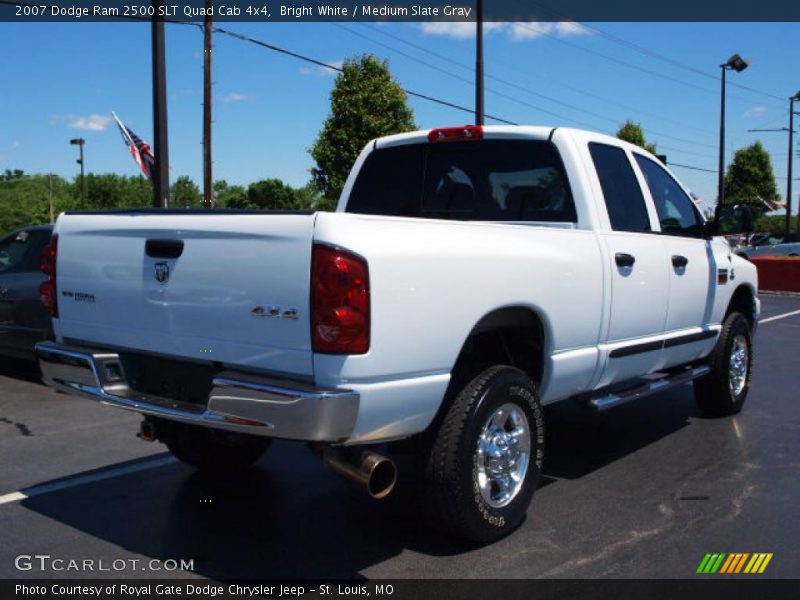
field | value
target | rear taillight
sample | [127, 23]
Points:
[340, 314]
[453, 134]
[47, 263]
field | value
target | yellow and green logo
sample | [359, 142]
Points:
[737, 562]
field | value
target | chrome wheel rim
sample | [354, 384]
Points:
[502, 455]
[737, 367]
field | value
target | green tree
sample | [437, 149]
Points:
[271, 194]
[184, 193]
[750, 178]
[365, 103]
[9, 175]
[25, 199]
[229, 196]
[771, 223]
[632, 132]
[108, 191]
[309, 198]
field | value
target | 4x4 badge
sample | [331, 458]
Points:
[162, 272]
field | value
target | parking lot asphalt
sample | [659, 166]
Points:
[644, 490]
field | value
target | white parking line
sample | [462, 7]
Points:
[783, 316]
[47, 488]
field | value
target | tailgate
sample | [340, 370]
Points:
[225, 287]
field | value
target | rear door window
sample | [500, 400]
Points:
[488, 180]
[625, 203]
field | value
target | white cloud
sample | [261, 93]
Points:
[517, 31]
[16, 144]
[567, 28]
[521, 31]
[93, 122]
[235, 97]
[454, 29]
[321, 71]
[756, 111]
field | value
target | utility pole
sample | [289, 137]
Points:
[161, 150]
[479, 63]
[789, 176]
[208, 182]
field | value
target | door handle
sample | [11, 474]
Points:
[163, 248]
[679, 261]
[624, 260]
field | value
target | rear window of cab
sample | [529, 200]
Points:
[476, 180]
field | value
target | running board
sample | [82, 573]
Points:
[606, 401]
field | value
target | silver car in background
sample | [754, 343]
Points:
[769, 244]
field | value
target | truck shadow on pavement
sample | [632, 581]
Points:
[24, 370]
[290, 517]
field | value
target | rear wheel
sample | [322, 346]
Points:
[214, 450]
[723, 391]
[487, 457]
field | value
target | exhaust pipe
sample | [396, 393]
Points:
[375, 473]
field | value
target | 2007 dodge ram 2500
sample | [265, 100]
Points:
[469, 276]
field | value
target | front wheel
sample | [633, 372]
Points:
[723, 391]
[487, 456]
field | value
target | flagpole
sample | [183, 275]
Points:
[123, 129]
[208, 181]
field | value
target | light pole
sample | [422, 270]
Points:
[738, 64]
[80, 142]
[789, 176]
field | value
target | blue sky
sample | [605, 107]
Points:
[62, 80]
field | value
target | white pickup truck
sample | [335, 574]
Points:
[469, 276]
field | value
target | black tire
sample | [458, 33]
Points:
[454, 497]
[717, 394]
[214, 450]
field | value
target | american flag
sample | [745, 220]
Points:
[140, 150]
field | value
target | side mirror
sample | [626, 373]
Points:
[732, 219]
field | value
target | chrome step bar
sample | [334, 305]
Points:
[606, 401]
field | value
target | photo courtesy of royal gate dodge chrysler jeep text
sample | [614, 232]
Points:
[469, 276]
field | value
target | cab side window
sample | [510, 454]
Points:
[625, 203]
[676, 211]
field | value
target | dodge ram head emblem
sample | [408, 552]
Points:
[162, 272]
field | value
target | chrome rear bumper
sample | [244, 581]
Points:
[237, 402]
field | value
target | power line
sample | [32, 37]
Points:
[630, 65]
[673, 164]
[518, 87]
[420, 95]
[339, 69]
[581, 91]
[672, 61]
[648, 52]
